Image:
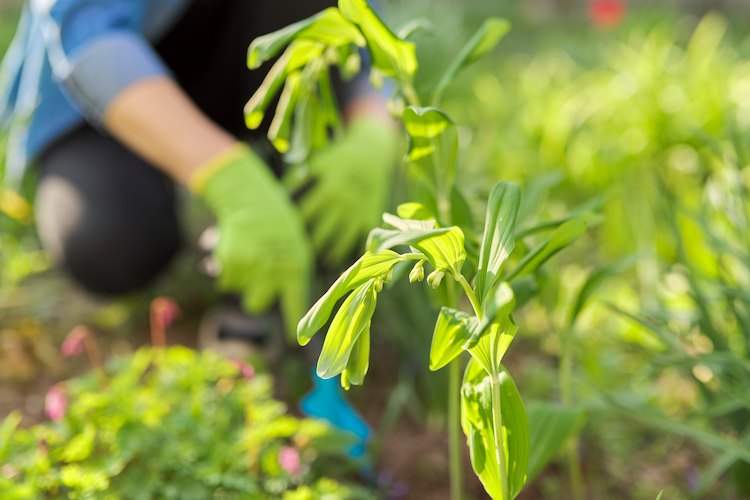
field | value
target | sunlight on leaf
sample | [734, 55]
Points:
[478, 426]
[452, 330]
[498, 241]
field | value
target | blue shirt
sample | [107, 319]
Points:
[68, 60]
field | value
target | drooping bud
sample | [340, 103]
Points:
[435, 278]
[388, 277]
[417, 273]
[378, 285]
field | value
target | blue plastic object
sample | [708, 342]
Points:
[326, 401]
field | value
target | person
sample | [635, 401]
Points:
[116, 101]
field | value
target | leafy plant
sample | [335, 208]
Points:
[434, 231]
[172, 423]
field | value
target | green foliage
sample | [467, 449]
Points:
[550, 427]
[478, 422]
[499, 230]
[174, 425]
[434, 227]
[483, 41]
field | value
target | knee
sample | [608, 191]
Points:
[108, 249]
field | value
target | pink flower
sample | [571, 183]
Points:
[289, 460]
[246, 369]
[56, 404]
[165, 311]
[73, 345]
[607, 13]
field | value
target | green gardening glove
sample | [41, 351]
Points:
[353, 177]
[263, 249]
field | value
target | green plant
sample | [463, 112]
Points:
[437, 231]
[180, 424]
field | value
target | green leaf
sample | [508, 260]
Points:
[7, 429]
[658, 497]
[446, 252]
[381, 239]
[296, 56]
[502, 305]
[413, 26]
[346, 327]
[433, 145]
[359, 361]
[452, 330]
[415, 211]
[328, 26]
[499, 229]
[319, 313]
[390, 55]
[478, 426]
[596, 279]
[550, 427]
[483, 41]
[375, 265]
[563, 236]
[494, 345]
[281, 126]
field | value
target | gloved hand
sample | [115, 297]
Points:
[351, 190]
[263, 249]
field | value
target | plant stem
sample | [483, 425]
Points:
[410, 94]
[470, 293]
[454, 434]
[566, 391]
[497, 418]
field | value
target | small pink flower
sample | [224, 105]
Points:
[165, 311]
[289, 460]
[73, 345]
[607, 13]
[56, 404]
[246, 369]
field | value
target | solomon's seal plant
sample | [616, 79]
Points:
[434, 235]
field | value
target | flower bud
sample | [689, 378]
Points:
[388, 277]
[435, 278]
[378, 285]
[417, 273]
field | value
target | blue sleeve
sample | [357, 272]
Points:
[96, 49]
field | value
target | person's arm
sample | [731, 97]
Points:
[158, 121]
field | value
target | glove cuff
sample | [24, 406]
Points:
[200, 177]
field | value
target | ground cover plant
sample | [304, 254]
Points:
[170, 423]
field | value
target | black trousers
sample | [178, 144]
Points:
[107, 215]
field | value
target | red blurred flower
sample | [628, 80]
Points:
[246, 369]
[607, 13]
[74, 343]
[165, 311]
[56, 404]
[289, 460]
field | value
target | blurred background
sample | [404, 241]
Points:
[636, 113]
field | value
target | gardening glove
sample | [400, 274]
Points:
[351, 190]
[262, 249]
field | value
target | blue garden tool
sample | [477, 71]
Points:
[327, 402]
